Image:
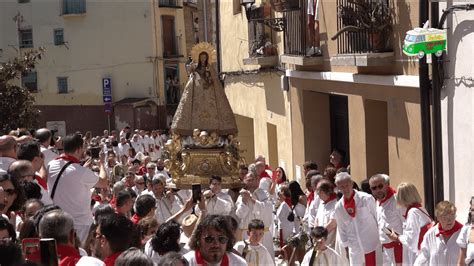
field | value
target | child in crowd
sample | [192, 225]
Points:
[252, 250]
[321, 254]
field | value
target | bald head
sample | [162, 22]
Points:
[43, 135]
[21, 170]
[7, 146]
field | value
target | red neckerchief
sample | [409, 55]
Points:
[68, 158]
[264, 174]
[350, 206]
[69, 256]
[310, 197]
[41, 182]
[332, 196]
[113, 201]
[135, 219]
[390, 193]
[447, 233]
[110, 260]
[142, 170]
[414, 205]
[200, 260]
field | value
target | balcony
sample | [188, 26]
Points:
[262, 51]
[364, 33]
[73, 7]
[170, 3]
[296, 39]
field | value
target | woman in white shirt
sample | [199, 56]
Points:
[285, 225]
[298, 202]
[417, 222]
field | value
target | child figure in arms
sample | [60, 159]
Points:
[313, 28]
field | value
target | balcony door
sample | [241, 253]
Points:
[169, 36]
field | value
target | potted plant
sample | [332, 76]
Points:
[374, 18]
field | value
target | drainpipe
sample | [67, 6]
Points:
[218, 38]
[437, 138]
[205, 20]
[425, 118]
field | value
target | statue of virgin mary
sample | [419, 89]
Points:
[203, 104]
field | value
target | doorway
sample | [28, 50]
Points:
[339, 115]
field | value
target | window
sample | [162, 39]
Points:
[26, 38]
[23, 1]
[58, 36]
[62, 85]
[29, 81]
[237, 7]
[169, 3]
[74, 7]
[169, 37]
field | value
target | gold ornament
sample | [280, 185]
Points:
[203, 47]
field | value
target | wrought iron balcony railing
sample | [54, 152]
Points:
[296, 33]
[364, 26]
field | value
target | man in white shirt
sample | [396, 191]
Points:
[72, 192]
[123, 147]
[255, 203]
[388, 216]
[217, 202]
[43, 135]
[326, 210]
[166, 204]
[212, 243]
[137, 143]
[356, 218]
[7, 152]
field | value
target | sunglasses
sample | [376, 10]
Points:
[377, 187]
[220, 239]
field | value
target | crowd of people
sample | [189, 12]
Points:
[109, 200]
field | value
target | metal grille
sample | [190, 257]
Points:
[295, 34]
[364, 18]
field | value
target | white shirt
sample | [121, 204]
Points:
[49, 155]
[217, 205]
[326, 257]
[416, 218]
[255, 255]
[435, 250]
[165, 209]
[73, 192]
[311, 211]
[137, 145]
[324, 215]
[284, 224]
[89, 261]
[5, 163]
[123, 149]
[234, 260]
[262, 209]
[463, 242]
[359, 233]
[389, 215]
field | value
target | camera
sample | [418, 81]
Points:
[93, 151]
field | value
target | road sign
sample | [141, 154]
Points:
[107, 87]
[107, 99]
[108, 108]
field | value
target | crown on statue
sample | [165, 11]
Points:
[203, 47]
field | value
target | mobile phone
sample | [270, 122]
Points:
[387, 230]
[48, 252]
[95, 151]
[196, 189]
[30, 249]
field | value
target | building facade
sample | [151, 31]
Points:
[361, 96]
[457, 99]
[138, 46]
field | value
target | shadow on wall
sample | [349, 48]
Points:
[401, 26]
[274, 95]
[462, 29]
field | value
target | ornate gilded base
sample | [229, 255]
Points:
[200, 164]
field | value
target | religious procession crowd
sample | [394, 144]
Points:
[109, 200]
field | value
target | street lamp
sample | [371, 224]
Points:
[247, 4]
